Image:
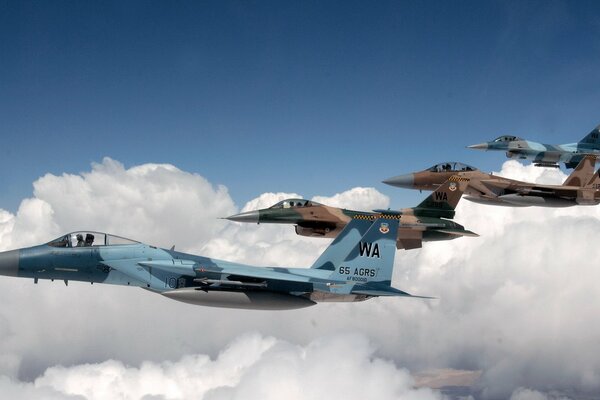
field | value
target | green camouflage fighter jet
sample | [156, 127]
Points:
[356, 266]
[545, 155]
[429, 221]
[582, 187]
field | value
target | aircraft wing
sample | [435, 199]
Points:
[485, 186]
[568, 192]
[180, 267]
[554, 188]
[237, 275]
[260, 273]
[129, 268]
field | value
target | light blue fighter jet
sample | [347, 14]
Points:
[356, 266]
[545, 155]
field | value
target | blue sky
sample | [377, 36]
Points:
[307, 97]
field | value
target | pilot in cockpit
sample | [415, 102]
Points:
[80, 242]
[89, 239]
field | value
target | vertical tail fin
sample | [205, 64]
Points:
[443, 201]
[363, 257]
[592, 138]
[583, 173]
[343, 243]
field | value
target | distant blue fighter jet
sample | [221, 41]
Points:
[356, 266]
[545, 155]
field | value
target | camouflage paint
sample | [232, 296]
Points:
[546, 155]
[582, 187]
[346, 271]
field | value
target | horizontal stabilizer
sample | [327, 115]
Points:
[458, 232]
[409, 244]
[381, 291]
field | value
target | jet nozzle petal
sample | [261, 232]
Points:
[248, 216]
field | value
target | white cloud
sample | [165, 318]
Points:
[267, 200]
[518, 303]
[358, 198]
[252, 367]
[156, 203]
[515, 170]
[527, 394]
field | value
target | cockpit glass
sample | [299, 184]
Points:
[112, 240]
[289, 203]
[89, 239]
[451, 167]
[506, 138]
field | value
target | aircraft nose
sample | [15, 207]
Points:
[403, 181]
[9, 263]
[478, 146]
[248, 216]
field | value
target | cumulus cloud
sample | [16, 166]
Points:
[156, 203]
[359, 198]
[267, 200]
[518, 304]
[528, 394]
[252, 367]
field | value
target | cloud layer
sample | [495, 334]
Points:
[251, 367]
[518, 304]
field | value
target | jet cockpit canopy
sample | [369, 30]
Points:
[507, 138]
[451, 167]
[89, 239]
[289, 203]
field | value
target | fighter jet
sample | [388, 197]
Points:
[545, 155]
[429, 221]
[356, 266]
[582, 187]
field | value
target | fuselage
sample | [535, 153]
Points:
[180, 276]
[541, 154]
[491, 189]
[318, 220]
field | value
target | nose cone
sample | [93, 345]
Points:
[403, 181]
[9, 263]
[479, 146]
[248, 216]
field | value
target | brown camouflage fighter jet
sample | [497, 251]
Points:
[429, 221]
[582, 187]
